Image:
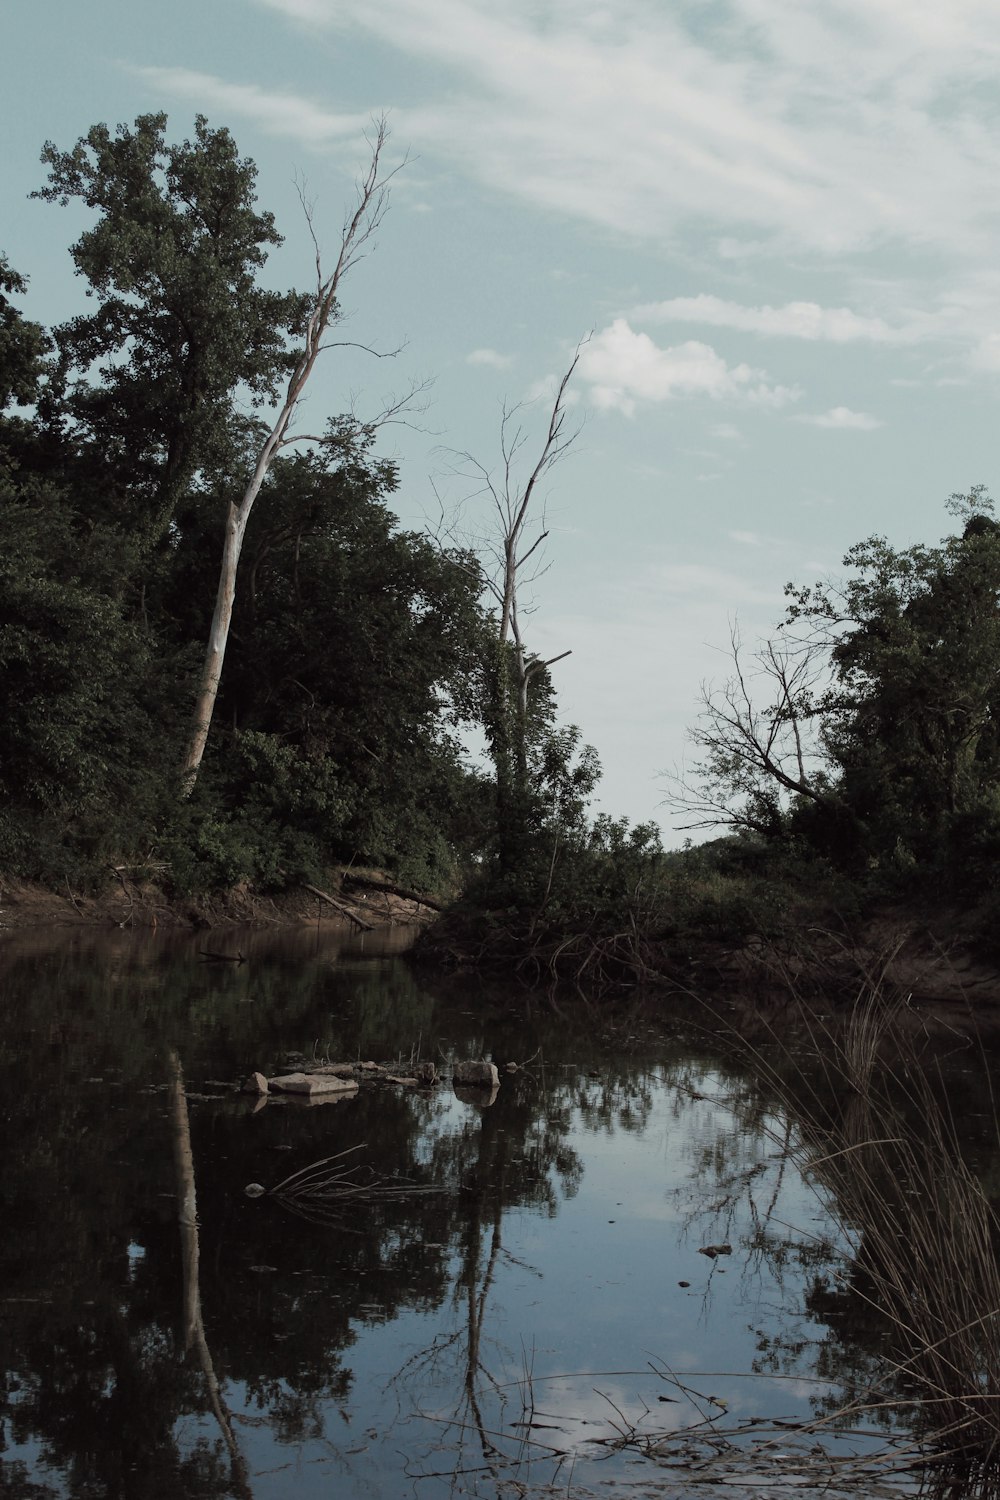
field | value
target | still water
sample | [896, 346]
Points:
[543, 1319]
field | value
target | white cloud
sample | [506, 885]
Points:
[761, 127]
[623, 367]
[799, 320]
[833, 128]
[842, 417]
[491, 358]
[725, 431]
[276, 113]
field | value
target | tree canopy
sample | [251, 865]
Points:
[868, 728]
[130, 436]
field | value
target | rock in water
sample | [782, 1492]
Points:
[483, 1075]
[311, 1084]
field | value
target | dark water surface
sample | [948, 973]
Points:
[509, 1326]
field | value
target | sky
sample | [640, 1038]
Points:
[775, 222]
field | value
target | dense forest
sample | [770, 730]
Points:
[223, 659]
[357, 653]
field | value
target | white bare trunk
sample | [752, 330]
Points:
[360, 226]
[218, 637]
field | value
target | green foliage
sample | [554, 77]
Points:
[266, 817]
[172, 259]
[910, 724]
[75, 731]
[359, 653]
[355, 655]
[23, 344]
[544, 776]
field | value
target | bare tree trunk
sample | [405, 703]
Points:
[372, 201]
[506, 556]
[514, 668]
[218, 637]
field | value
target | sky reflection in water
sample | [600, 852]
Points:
[493, 1330]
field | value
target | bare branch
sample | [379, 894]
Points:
[760, 738]
[371, 202]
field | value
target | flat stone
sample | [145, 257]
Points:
[309, 1084]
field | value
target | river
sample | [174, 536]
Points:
[504, 1295]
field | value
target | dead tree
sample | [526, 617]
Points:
[760, 739]
[359, 228]
[509, 558]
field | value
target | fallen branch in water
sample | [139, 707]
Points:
[324, 1187]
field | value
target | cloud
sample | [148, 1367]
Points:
[842, 417]
[276, 113]
[757, 127]
[491, 358]
[798, 320]
[623, 368]
[834, 128]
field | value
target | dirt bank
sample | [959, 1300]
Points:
[143, 904]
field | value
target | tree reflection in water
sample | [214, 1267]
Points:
[194, 1323]
[294, 1327]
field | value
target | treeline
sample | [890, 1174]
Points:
[358, 652]
[852, 758]
[865, 730]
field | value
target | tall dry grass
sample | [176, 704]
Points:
[877, 1138]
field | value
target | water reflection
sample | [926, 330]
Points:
[194, 1338]
[545, 1306]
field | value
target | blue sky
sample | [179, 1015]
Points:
[777, 219]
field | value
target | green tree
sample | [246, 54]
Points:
[173, 257]
[23, 344]
[351, 668]
[911, 720]
[74, 733]
[870, 729]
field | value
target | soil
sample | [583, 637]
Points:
[143, 904]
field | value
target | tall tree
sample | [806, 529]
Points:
[181, 325]
[321, 310]
[871, 725]
[183, 328]
[518, 709]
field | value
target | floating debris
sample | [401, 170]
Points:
[322, 1189]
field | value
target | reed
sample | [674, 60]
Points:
[877, 1139]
